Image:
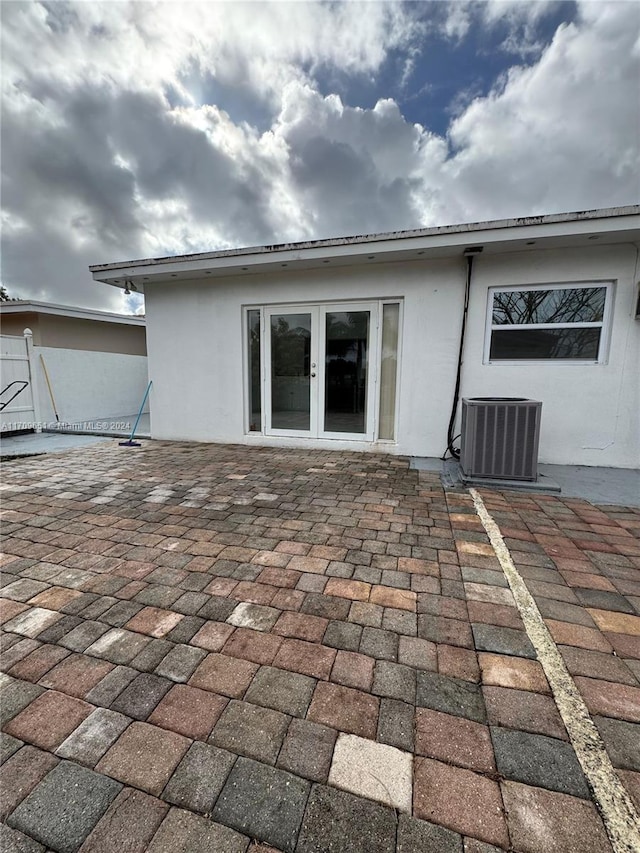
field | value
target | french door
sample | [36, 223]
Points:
[319, 370]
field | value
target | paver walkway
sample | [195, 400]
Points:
[223, 648]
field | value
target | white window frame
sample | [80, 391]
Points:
[373, 395]
[604, 324]
[265, 357]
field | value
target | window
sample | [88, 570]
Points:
[255, 397]
[548, 322]
[389, 369]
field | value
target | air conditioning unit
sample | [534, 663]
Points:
[500, 437]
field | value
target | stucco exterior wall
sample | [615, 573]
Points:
[15, 324]
[590, 412]
[91, 335]
[53, 330]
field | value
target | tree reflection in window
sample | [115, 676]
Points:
[346, 358]
[291, 344]
[570, 305]
[290, 371]
[547, 323]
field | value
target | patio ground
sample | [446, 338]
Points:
[223, 648]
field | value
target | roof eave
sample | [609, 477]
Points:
[52, 309]
[611, 222]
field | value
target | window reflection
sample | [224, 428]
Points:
[389, 369]
[545, 343]
[346, 364]
[561, 305]
[290, 369]
[255, 391]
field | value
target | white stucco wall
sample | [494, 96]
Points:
[590, 412]
[89, 386]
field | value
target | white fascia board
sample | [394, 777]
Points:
[623, 226]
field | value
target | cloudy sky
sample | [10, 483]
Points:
[137, 129]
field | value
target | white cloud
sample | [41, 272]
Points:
[520, 17]
[562, 133]
[146, 45]
[148, 129]
[457, 19]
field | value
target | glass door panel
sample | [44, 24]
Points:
[320, 370]
[290, 367]
[346, 360]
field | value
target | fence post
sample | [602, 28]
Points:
[28, 339]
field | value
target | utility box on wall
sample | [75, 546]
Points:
[500, 438]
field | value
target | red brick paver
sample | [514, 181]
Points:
[49, 719]
[540, 819]
[454, 740]
[252, 646]
[154, 621]
[76, 675]
[223, 674]
[305, 658]
[144, 757]
[442, 795]
[345, 709]
[212, 636]
[188, 711]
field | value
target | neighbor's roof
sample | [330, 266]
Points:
[24, 306]
[613, 225]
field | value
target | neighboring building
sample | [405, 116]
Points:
[353, 342]
[63, 327]
[96, 362]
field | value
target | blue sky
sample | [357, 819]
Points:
[447, 73]
[152, 129]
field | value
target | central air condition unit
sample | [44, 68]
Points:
[500, 437]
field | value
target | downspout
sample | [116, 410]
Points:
[469, 254]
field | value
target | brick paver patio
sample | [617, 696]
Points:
[231, 649]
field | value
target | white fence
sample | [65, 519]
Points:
[87, 386]
[18, 401]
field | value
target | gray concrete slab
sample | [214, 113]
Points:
[35, 444]
[112, 426]
[425, 463]
[617, 486]
[607, 486]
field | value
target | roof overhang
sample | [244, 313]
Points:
[564, 230]
[29, 307]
